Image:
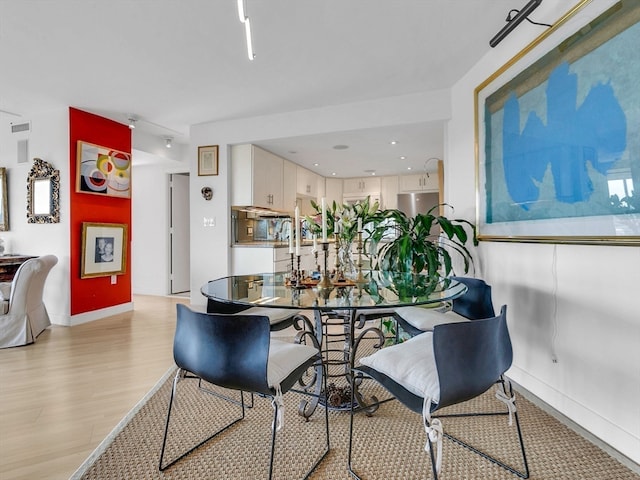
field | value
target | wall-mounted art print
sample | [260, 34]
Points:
[208, 160]
[558, 133]
[103, 171]
[104, 249]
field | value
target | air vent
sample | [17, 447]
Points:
[20, 127]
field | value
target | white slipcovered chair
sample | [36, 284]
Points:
[23, 313]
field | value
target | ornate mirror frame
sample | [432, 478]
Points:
[43, 193]
[4, 206]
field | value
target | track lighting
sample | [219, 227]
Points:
[247, 28]
[132, 122]
[168, 142]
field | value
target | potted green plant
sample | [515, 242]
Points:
[421, 244]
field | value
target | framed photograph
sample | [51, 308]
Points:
[104, 249]
[208, 160]
[4, 206]
[558, 133]
[103, 171]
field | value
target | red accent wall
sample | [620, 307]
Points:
[90, 294]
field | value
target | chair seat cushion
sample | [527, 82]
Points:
[412, 364]
[284, 358]
[427, 318]
[276, 315]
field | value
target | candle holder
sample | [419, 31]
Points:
[325, 283]
[339, 273]
[293, 277]
[360, 280]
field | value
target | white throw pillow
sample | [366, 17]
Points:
[276, 315]
[427, 318]
[284, 358]
[412, 364]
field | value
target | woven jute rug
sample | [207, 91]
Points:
[388, 445]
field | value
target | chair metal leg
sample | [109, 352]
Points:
[180, 375]
[521, 474]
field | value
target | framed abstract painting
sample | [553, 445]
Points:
[558, 133]
[103, 171]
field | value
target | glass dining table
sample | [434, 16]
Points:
[348, 303]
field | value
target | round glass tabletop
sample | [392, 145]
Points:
[378, 289]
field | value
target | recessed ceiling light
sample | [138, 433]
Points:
[316, 164]
[402, 157]
[333, 174]
[408, 168]
[340, 147]
[393, 142]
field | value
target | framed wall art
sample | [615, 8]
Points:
[208, 160]
[103, 171]
[558, 133]
[104, 249]
[4, 205]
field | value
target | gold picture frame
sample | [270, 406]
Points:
[104, 249]
[539, 182]
[208, 160]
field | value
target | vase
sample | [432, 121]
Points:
[347, 266]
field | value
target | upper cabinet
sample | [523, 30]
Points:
[389, 192]
[333, 190]
[361, 186]
[289, 177]
[421, 182]
[257, 178]
[307, 183]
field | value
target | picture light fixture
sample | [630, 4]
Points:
[514, 22]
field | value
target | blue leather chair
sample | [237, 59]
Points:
[474, 304]
[236, 352]
[454, 363]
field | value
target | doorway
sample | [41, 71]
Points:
[179, 233]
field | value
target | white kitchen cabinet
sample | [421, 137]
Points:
[389, 192]
[359, 186]
[333, 190]
[307, 183]
[256, 177]
[289, 177]
[421, 182]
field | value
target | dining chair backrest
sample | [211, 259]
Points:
[230, 351]
[470, 357]
[476, 302]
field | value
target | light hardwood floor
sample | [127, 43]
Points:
[61, 396]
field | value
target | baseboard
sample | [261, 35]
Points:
[587, 435]
[98, 314]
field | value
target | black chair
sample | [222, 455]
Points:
[279, 318]
[466, 358]
[474, 304]
[237, 353]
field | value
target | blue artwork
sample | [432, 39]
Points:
[557, 148]
[597, 130]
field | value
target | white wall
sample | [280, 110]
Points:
[48, 140]
[577, 304]
[153, 164]
[210, 245]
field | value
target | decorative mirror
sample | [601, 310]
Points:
[4, 208]
[43, 193]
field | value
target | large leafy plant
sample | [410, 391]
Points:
[421, 244]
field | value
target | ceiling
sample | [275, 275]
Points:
[174, 63]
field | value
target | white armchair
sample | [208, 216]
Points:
[23, 313]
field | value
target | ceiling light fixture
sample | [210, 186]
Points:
[403, 157]
[168, 141]
[242, 15]
[514, 22]
[132, 122]
[393, 142]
